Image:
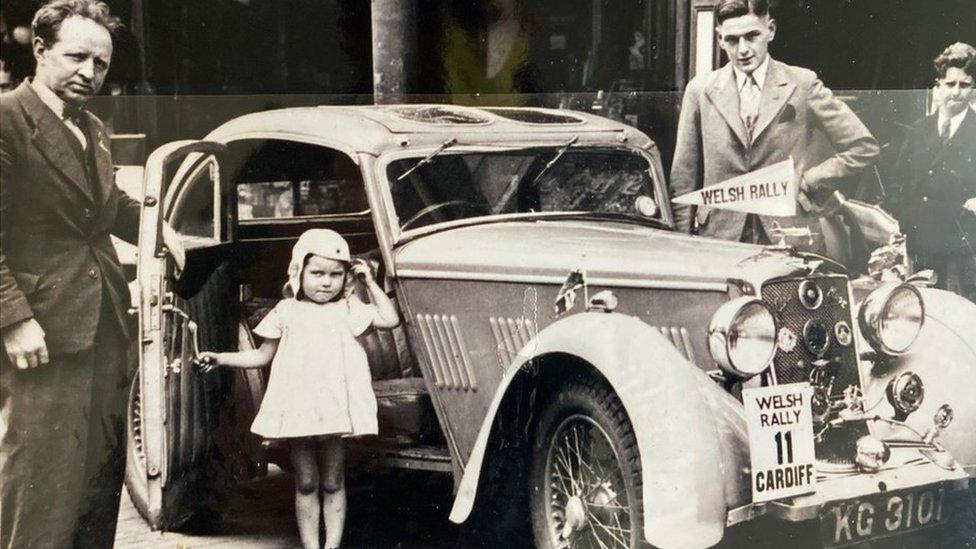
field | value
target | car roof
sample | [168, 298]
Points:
[377, 128]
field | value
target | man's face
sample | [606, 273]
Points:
[746, 39]
[74, 66]
[957, 90]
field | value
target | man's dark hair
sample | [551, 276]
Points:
[48, 19]
[959, 55]
[727, 9]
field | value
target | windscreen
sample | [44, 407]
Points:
[460, 185]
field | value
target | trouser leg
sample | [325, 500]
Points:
[105, 459]
[42, 450]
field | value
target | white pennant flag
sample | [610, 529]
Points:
[766, 191]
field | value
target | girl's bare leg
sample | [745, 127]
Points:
[306, 490]
[332, 458]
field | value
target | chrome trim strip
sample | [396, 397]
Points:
[547, 279]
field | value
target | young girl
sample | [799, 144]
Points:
[319, 389]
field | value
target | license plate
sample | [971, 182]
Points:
[877, 516]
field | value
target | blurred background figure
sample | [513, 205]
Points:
[934, 193]
[485, 53]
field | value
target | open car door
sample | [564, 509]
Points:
[173, 409]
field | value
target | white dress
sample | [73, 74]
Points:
[320, 382]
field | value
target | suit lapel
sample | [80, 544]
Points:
[98, 142]
[956, 142]
[724, 95]
[776, 91]
[51, 138]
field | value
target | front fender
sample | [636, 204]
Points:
[687, 465]
[944, 356]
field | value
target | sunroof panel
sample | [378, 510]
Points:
[535, 116]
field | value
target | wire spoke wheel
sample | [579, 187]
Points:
[588, 501]
[585, 473]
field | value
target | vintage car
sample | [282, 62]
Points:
[620, 383]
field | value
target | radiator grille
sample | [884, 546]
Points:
[797, 364]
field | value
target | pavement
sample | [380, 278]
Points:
[399, 510]
[408, 510]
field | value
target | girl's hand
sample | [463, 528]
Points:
[361, 269]
[207, 362]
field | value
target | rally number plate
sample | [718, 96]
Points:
[781, 450]
[853, 521]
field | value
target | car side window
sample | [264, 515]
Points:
[286, 179]
[193, 212]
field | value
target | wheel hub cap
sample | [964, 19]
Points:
[575, 516]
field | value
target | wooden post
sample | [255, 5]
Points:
[394, 25]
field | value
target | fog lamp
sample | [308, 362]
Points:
[905, 393]
[872, 454]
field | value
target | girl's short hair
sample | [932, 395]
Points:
[959, 55]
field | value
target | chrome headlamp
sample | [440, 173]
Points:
[891, 318]
[742, 336]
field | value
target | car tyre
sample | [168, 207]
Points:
[136, 477]
[585, 476]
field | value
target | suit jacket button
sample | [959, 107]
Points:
[925, 199]
[931, 172]
[93, 274]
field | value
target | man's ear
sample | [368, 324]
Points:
[39, 47]
[772, 29]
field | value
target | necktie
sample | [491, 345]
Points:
[749, 103]
[944, 130]
[74, 119]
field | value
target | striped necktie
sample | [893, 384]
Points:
[749, 103]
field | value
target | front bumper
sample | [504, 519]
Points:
[906, 468]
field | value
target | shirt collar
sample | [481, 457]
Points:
[954, 122]
[759, 74]
[49, 98]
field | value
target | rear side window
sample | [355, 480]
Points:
[284, 179]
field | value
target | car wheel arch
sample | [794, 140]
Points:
[667, 405]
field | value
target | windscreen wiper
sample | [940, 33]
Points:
[559, 154]
[426, 160]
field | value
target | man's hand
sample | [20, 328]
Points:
[804, 190]
[970, 204]
[24, 343]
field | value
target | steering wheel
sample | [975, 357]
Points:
[431, 209]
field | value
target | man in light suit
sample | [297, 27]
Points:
[67, 353]
[754, 112]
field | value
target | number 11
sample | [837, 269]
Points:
[788, 438]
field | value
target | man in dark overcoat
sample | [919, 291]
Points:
[934, 195]
[67, 360]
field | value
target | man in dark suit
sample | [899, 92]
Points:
[67, 356]
[754, 112]
[934, 194]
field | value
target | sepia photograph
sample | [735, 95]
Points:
[450, 274]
